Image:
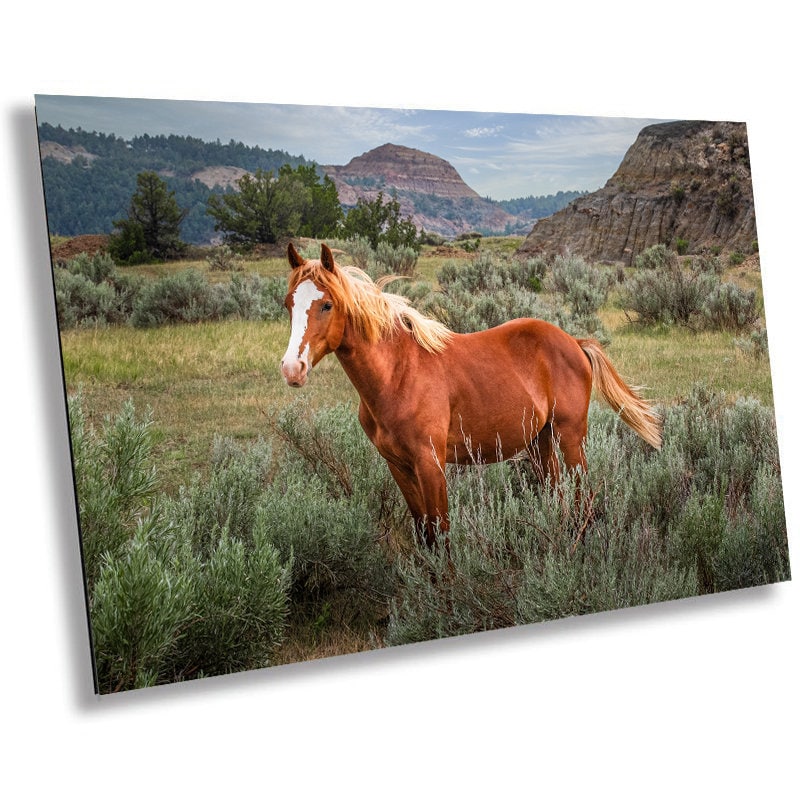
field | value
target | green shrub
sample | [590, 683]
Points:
[224, 501]
[225, 259]
[584, 289]
[182, 297]
[140, 608]
[241, 603]
[89, 291]
[399, 260]
[358, 248]
[484, 273]
[728, 307]
[252, 297]
[657, 257]
[383, 259]
[96, 268]
[728, 197]
[177, 588]
[331, 506]
[755, 344]
[115, 479]
[465, 312]
[709, 263]
[79, 301]
[705, 513]
[484, 292]
[669, 294]
[736, 258]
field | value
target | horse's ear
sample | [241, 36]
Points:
[327, 258]
[295, 259]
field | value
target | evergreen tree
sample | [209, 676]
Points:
[324, 214]
[268, 206]
[379, 221]
[152, 228]
[262, 210]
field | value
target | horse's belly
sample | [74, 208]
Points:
[499, 431]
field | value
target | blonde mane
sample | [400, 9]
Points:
[374, 313]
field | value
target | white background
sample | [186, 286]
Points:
[689, 699]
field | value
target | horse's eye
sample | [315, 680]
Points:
[327, 306]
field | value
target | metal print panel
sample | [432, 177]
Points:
[341, 379]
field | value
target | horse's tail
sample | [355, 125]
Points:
[625, 400]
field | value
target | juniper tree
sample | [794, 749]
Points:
[152, 227]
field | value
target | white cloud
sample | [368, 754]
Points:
[482, 133]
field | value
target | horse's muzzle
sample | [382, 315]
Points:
[295, 372]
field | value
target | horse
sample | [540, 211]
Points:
[431, 397]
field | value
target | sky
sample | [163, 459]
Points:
[502, 156]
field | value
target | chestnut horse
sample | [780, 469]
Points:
[430, 396]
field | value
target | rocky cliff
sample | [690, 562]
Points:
[428, 188]
[682, 183]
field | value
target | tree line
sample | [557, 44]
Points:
[89, 194]
[538, 207]
[266, 207]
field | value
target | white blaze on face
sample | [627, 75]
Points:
[304, 295]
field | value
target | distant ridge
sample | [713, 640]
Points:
[89, 179]
[428, 188]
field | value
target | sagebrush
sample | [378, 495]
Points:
[308, 524]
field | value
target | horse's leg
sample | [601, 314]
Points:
[543, 456]
[426, 502]
[429, 471]
[571, 440]
[409, 487]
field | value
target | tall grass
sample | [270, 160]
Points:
[704, 514]
[304, 530]
[177, 588]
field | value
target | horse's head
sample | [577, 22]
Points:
[317, 324]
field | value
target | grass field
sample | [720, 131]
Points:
[223, 377]
[211, 379]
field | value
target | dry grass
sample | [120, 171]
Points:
[308, 641]
[199, 380]
[266, 267]
[223, 377]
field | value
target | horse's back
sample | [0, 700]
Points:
[527, 345]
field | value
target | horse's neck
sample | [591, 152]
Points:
[375, 369]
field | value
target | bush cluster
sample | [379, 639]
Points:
[91, 291]
[489, 290]
[383, 259]
[224, 259]
[178, 588]
[309, 525]
[584, 289]
[483, 292]
[205, 582]
[705, 514]
[693, 294]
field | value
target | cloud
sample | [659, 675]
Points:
[482, 133]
